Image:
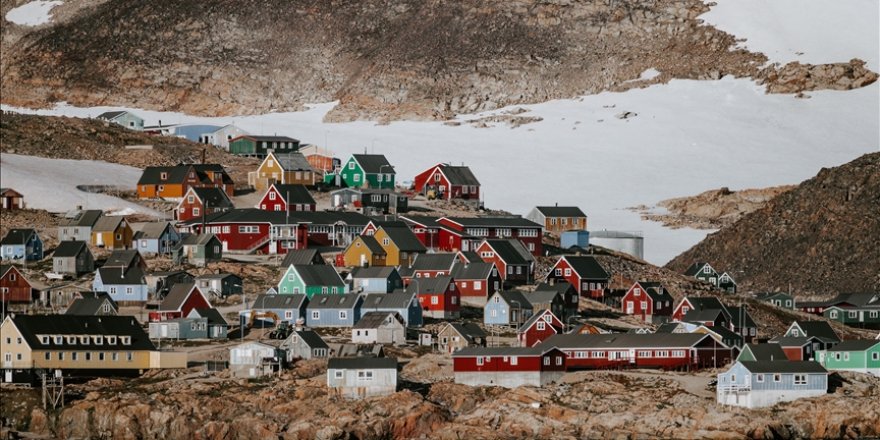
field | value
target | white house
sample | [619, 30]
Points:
[253, 359]
[379, 328]
[360, 377]
[756, 384]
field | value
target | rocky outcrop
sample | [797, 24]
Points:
[626, 404]
[819, 238]
[381, 59]
[796, 77]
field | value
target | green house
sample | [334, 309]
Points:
[311, 280]
[778, 299]
[368, 170]
[761, 352]
[862, 317]
[260, 146]
[859, 355]
[704, 272]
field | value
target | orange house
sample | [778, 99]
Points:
[321, 159]
[174, 182]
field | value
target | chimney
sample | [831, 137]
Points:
[160, 122]
[203, 156]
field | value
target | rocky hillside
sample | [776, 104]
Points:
[382, 59]
[821, 237]
[296, 405]
[91, 139]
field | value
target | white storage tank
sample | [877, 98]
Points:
[628, 242]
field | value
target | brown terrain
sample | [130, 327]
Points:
[382, 59]
[599, 404]
[819, 238]
[710, 209]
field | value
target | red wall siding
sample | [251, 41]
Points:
[497, 363]
[19, 291]
[636, 301]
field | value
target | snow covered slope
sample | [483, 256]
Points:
[809, 31]
[50, 184]
[32, 14]
[689, 136]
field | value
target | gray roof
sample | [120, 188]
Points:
[703, 315]
[764, 296]
[459, 175]
[294, 161]
[253, 215]
[819, 329]
[216, 276]
[108, 223]
[472, 271]
[294, 194]
[855, 345]
[626, 340]
[318, 275]
[543, 296]
[695, 268]
[746, 318]
[301, 256]
[122, 276]
[501, 222]
[374, 163]
[270, 138]
[122, 258]
[179, 173]
[766, 352]
[503, 351]
[213, 197]
[587, 267]
[18, 236]
[429, 285]
[783, 366]
[387, 301]
[153, 230]
[109, 116]
[360, 363]
[560, 211]
[279, 301]
[177, 296]
[376, 319]
[512, 297]
[198, 239]
[668, 327]
[311, 338]
[792, 341]
[438, 261]
[383, 272]
[531, 321]
[213, 315]
[372, 244]
[70, 248]
[468, 330]
[89, 304]
[511, 251]
[405, 239]
[345, 301]
[86, 218]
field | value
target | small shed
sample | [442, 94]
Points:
[73, 257]
[357, 378]
[379, 328]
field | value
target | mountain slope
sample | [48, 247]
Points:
[382, 59]
[822, 237]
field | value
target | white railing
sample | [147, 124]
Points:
[734, 389]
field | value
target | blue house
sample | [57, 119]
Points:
[21, 242]
[156, 238]
[375, 279]
[126, 286]
[405, 304]
[507, 308]
[334, 310]
[288, 307]
[756, 384]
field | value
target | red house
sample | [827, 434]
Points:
[476, 282]
[427, 230]
[438, 297]
[707, 310]
[182, 299]
[463, 233]
[509, 367]
[540, 327]
[514, 262]
[198, 202]
[668, 351]
[278, 197]
[253, 230]
[14, 287]
[434, 265]
[649, 301]
[583, 272]
[447, 182]
[799, 348]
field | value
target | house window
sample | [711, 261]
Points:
[316, 315]
[338, 374]
[129, 356]
[435, 299]
[60, 355]
[365, 375]
[477, 284]
[357, 177]
[875, 356]
[111, 340]
[386, 241]
[101, 356]
[777, 377]
[288, 314]
[541, 325]
[558, 360]
[74, 355]
[126, 340]
[845, 355]
[733, 377]
[112, 290]
[759, 378]
[546, 360]
[343, 314]
[163, 175]
[833, 314]
[48, 356]
[88, 356]
[351, 165]
[129, 290]
[707, 269]
[853, 315]
[800, 379]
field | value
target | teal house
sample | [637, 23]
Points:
[368, 171]
[867, 316]
[311, 280]
[260, 146]
[778, 299]
[859, 355]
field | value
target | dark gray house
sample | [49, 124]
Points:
[404, 303]
[305, 344]
[93, 304]
[302, 257]
[220, 284]
[77, 225]
[73, 257]
[375, 279]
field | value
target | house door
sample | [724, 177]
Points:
[465, 246]
[8, 373]
[632, 356]
[100, 240]
[629, 308]
[225, 246]
[273, 247]
[337, 200]
[363, 260]
[163, 330]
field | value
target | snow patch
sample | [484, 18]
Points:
[33, 13]
[689, 137]
[649, 74]
[50, 184]
[809, 31]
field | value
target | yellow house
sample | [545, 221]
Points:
[400, 244]
[112, 232]
[91, 346]
[364, 250]
[284, 168]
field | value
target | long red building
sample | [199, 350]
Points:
[509, 367]
[463, 234]
[667, 351]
